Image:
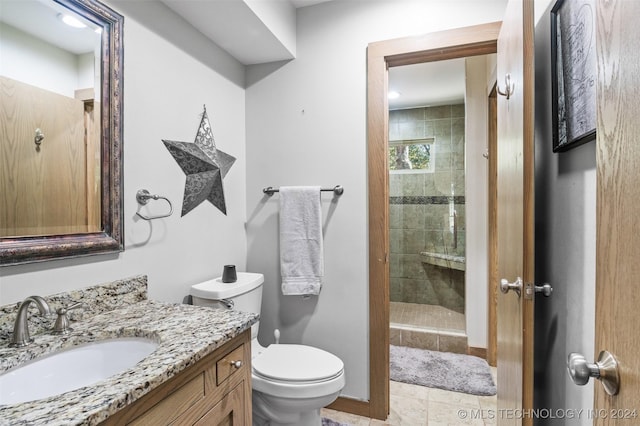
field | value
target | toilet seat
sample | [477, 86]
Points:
[297, 371]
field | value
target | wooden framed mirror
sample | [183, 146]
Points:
[61, 143]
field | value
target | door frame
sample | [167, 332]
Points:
[437, 46]
[492, 227]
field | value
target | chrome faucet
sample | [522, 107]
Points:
[20, 335]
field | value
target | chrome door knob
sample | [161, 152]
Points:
[516, 286]
[605, 370]
[545, 289]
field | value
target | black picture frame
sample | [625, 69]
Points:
[573, 73]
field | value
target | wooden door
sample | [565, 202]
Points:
[515, 210]
[618, 192]
[42, 188]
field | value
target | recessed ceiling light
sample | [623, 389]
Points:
[71, 21]
[393, 94]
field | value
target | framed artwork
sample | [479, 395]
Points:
[573, 69]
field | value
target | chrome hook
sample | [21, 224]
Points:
[509, 87]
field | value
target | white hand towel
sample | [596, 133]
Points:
[301, 247]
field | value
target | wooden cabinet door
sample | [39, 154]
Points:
[229, 411]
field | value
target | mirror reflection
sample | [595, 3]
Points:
[50, 133]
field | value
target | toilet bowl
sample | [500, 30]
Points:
[290, 383]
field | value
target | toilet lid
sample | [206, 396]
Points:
[297, 363]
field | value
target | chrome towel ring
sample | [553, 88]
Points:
[143, 196]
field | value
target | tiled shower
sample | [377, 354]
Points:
[427, 227]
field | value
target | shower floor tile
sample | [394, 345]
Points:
[426, 316]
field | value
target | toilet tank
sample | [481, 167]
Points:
[243, 295]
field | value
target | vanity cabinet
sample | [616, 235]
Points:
[214, 391]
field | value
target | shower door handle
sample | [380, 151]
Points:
[516, 286]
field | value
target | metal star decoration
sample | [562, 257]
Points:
[204, 165]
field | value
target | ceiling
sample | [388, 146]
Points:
[236, 28]
[305, 3]
[44, 23]
[427, 84]
[239, 30]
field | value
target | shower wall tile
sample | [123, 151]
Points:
[436, 217]
[457, 163]
[395, 216]
[406, 184]
[395, 241]
[413, 240]
[410, 130]
[447, 287]
[408, 289]
[395, 270]
[412, 216]
[457, 147]
[407, 115]
[461, 211]
[420, 219]
[433, 113]
[395, 290]
[412, 266]
[442, 146]
[462, 242]
[457, 130]
[394, 130]
[458, 185]
[443, 181]
[429, 130]
[447, 240]
[444, 161]
[434, 240]
[442, 130]
[457, 110]
[395, 184]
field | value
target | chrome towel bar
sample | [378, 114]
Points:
[337, 190]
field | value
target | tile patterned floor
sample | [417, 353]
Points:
[413, 405]
[426, 316]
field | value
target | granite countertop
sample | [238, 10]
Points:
[185, 334]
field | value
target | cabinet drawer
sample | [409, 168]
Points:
[174, 404]
[231, 363]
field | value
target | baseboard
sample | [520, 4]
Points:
[351, 406]
[479, 352]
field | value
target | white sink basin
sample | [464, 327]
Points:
[72, 368]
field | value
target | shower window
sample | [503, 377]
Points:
[412, 156]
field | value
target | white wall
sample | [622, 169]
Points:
[476, 195]
[306, 125]
[165, 88]
[565, 249]
[33, 61]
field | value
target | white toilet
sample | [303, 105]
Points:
[291, 383]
